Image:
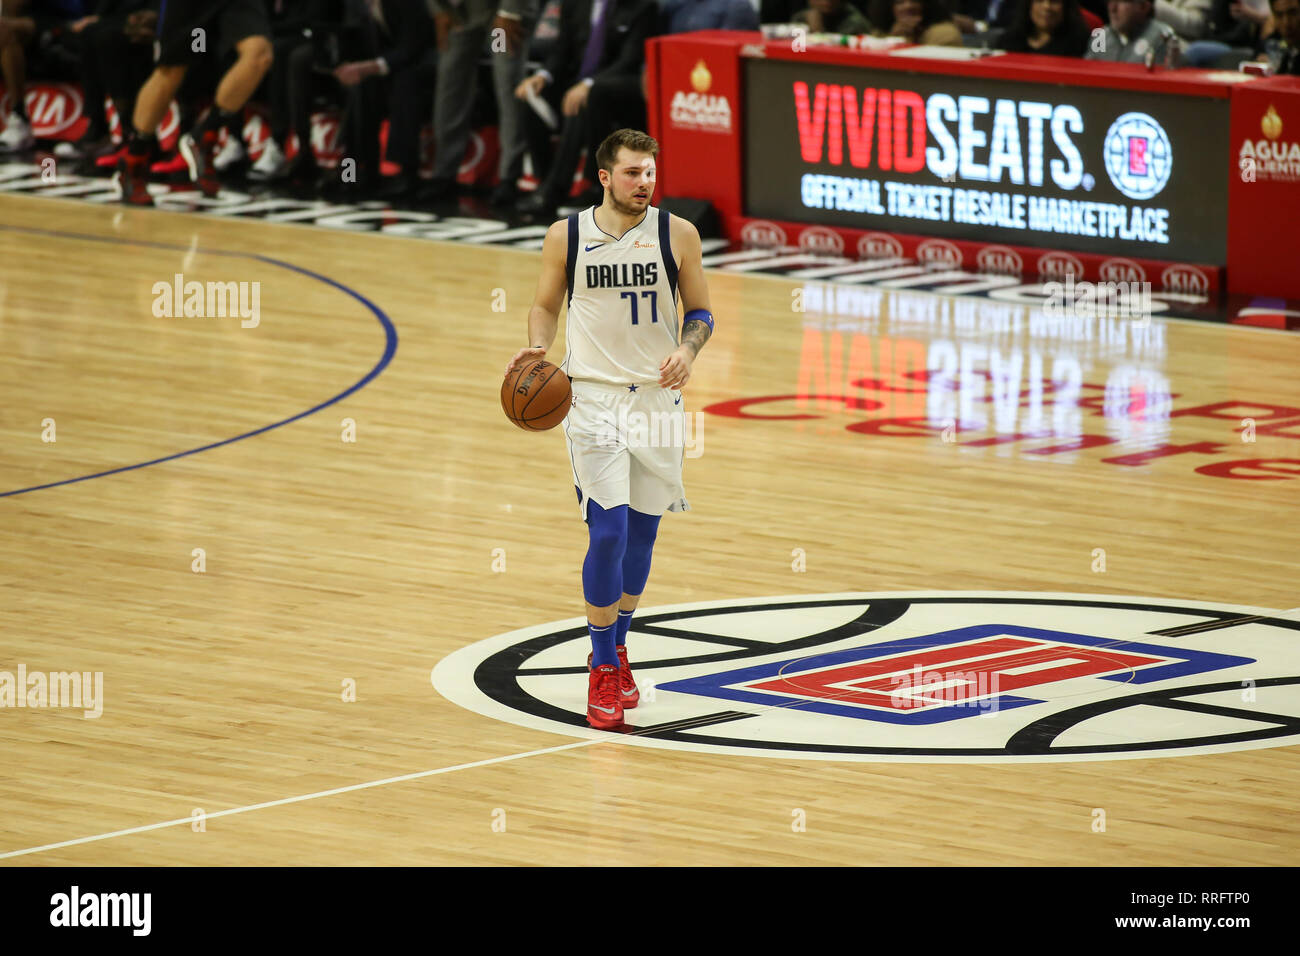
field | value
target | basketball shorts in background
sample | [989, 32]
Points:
[627, 447]
[223, 24]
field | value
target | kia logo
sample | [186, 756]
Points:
[879, 245]
[1059, 265]
[939, 252]
[1122, 270]
[325, 136]
[999, 259]
[52, 108]
[820, 239]
[1183, 278]
[760, 232]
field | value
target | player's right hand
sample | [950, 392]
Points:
[523, 357]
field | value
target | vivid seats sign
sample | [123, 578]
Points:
[1077, 168]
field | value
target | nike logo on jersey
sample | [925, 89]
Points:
[589, 248]
[677, 400]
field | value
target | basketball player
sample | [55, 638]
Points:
[622, 265]
[188, 29]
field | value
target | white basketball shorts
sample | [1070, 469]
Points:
[627, 447]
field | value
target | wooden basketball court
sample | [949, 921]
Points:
[337, 503]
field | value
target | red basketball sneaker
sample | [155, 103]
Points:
[197, 153]
[627, 691]
[604, 711]
[628, 695]
[132, 177]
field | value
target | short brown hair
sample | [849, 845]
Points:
[633, 139]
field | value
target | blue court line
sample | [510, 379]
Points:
[390, 345]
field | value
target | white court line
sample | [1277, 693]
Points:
[306, 796]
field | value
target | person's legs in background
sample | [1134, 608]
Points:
[290, 96]
[554, 189]
[612, 104]
[453, 107]
[507, 74]
[410, 104]
[15, 33]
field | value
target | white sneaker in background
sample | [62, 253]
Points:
[17, 135]
[233, 152]
[272, 164]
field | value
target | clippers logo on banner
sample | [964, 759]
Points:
[1016, 164]
[1138, 157]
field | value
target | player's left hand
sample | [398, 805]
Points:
[676, 370]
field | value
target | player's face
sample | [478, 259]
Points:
[632, 183]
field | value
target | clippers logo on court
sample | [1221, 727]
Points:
[946, 677]
[1138, 156]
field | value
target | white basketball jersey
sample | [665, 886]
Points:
[622, 320]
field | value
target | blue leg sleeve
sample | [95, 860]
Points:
[641, 531]
[602, 571]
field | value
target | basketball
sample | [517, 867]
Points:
[537, 396]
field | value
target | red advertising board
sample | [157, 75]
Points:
[1264, 188]
[695, 105]
[1142, 187]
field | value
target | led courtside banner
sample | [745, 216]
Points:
[1069, 167]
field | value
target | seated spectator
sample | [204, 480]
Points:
[1231, 24]
[594, 67]
[294, 26]
[1052, 27]
[1281, 50]
[833, 16]
[48, 29]
[546, 34]
[979, 16]
[684, 16]
[1132, 34]
[116, 52]
[465, 29]
[1189, 18]
[778, 11]
[918, 21]
[392, 50]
